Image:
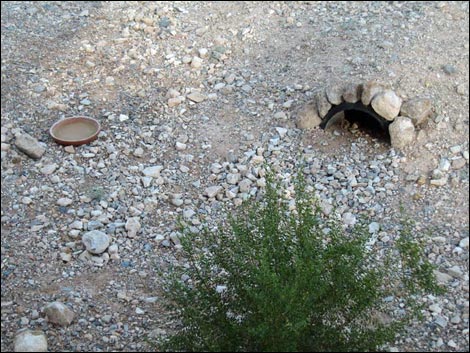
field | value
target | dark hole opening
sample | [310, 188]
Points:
[355, 116]
[368, 124]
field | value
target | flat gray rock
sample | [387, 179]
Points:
[30, 341]
[95, 241]
[212, 191]
[59, 314]
[196, 97]
[29, 145]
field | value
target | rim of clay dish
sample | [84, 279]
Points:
[67, 121]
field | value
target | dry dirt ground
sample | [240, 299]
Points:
[121, 62]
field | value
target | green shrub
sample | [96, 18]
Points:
[274, 279]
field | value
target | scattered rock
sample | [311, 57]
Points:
[153, 172]
[442, 278]
[138, 152]
[64, 201]
[281, 131]
[30, 341]
[459, 163]
[233, 178]
[95, 241]
[439, 182]
[464, 243]
[349, 219]
[133, 227]
[29, 145]
[462, 89]
[449, 69]
[180, 146]
[455, 272]
[58, 313]
[48, 169]
[196, 62]
[196, 97]
[69, 149]
[173, 102]
[123, 117]
[212, 191]
[374, 227]
[435, 308]
[280, 115]
[172, 93]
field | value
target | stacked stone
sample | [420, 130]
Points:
[404, 117]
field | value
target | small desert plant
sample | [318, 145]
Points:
[275, 278]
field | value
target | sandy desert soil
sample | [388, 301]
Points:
[207, 90]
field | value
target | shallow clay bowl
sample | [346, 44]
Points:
[76, 130]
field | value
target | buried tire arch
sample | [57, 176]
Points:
[381, 107]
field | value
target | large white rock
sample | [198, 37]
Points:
[59, 314]
[387, 104]
[30, 341]
[402, 132]
[96, 242]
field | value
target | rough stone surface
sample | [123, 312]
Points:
[322, 103]
[307, 117]
[133, 226]
[197, 97]
[212, 191]
[95, 241]
[29, 145]
[352, 92]
[417, 109]
[387, 104]
[30, 341]
[58, 313]
[402, 132]
[153, 172]
[334, 94]
[369, 91]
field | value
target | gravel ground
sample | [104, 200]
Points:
[193, 99]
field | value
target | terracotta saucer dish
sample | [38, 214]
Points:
[77, 130]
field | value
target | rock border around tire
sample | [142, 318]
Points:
[384, 105]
